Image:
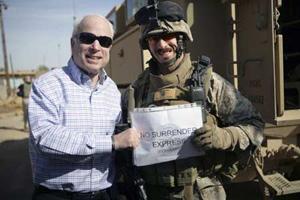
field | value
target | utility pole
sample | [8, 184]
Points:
[3, 6]
[13, 72]
[74, 12]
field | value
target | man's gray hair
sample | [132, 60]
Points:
[77, 26]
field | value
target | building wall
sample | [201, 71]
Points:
[126, 57]
[209, 21]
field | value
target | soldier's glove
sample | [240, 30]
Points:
[210, 136]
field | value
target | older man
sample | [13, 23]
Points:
[72, 113]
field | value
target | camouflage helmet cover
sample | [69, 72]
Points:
[170, 19]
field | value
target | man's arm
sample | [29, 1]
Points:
[237, 124]
[237, 113]
[20, 90]
[53, 139]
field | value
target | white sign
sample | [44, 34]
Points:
[166, 133]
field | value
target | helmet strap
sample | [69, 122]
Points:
[180, 46]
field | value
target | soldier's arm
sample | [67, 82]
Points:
[235, 113]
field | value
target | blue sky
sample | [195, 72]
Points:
[38, 31]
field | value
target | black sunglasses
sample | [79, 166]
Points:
[89, 38]
[165, 37]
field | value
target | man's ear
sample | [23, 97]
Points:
[72, 41]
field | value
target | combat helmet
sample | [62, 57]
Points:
[162, 18]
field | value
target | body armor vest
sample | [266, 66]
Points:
[163, 90]
[170, 89]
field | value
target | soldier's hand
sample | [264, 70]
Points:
[128, 138]
[210, 136]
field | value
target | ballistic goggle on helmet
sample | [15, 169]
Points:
[162, 18]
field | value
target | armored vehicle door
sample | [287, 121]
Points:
[260, 57]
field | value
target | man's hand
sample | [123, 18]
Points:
[210, 136]
[128, 138]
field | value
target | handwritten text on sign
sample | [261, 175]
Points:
[166, 133]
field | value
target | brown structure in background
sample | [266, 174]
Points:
[19, 74]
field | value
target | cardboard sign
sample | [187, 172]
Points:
[166, 133]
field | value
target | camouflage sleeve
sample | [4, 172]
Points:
[235, 112]
[124, 105]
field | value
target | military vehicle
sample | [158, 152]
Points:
[255, 45]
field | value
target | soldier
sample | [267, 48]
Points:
[24, 91]
[233, 127]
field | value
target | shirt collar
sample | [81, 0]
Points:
[80, 77]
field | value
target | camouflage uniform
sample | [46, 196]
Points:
[198, 177]
[230, 108]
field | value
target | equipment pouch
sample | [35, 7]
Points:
[210, 188]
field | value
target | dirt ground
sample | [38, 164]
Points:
[15, 170]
